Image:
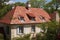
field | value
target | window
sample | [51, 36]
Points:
[20, 29]
[42, 18]
[31, 18]
[21, 19]
[33, 28]
[7, 30]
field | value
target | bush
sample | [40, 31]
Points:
[41, 36]
[25, 37]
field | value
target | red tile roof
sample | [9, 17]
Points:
[12, 16]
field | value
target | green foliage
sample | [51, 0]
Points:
[43, 26]
[19, 4]
[4, 10]
[3, 1]
[59, 12]
[1, 36]
[39, 37]
[38, 3]
[52, 6]
[52, 31]
[25, 37]
[56, 1]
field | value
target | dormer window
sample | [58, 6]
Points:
[42, 18]
[21, 19]
[31, 18]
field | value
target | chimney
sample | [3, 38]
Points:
[13, 7]
[28, 5]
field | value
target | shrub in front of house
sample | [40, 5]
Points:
[41, 36]
[25, 37]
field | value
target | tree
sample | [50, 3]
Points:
[55, 4]
[4, 10]
[2, 2]
[19, 4]
[52, 6]
[37, 3]
[52, 31]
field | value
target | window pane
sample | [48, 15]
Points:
[33, 28]
[41, 17]
[21, 19]
[7, 30]
[20, 29]
[31, 18]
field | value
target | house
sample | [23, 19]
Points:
[21, 20]
[55, 16]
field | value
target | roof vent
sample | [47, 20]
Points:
[28, 5]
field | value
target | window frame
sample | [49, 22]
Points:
[42, 18]
[33, 29]
[30, 17]
[21, 19]
[20, 30]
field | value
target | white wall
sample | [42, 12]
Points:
[38, 29]
[27, 30]
[13, 31]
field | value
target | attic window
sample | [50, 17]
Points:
[21, 19]
[31, 18]
[42, 18]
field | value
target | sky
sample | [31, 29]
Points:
[24, 0]
[19, 0]
[13, 1]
